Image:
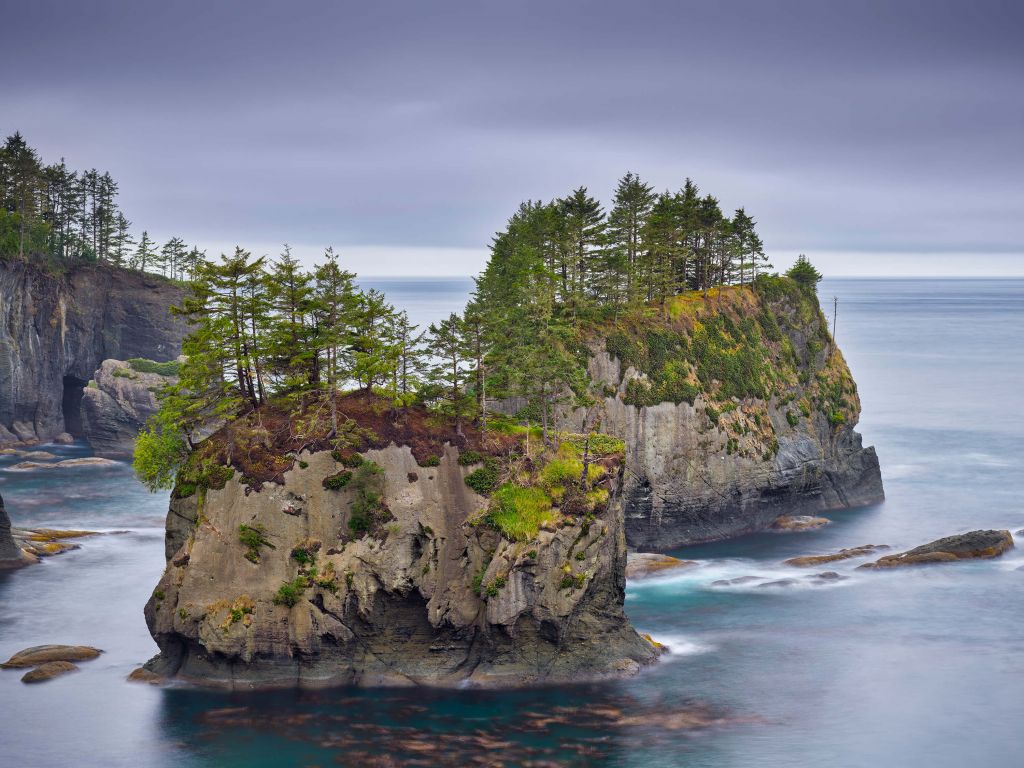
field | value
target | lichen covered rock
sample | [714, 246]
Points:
[276, 587]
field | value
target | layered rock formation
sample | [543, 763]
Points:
[116, 404]
[56, 330]
[270, 587]
[722, 465]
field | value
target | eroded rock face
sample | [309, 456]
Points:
[116, 405]
[55, 331]
[405, 607]
[963, 546]
[684, 486]
[10, 553]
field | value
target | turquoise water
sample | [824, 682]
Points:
[916, 668]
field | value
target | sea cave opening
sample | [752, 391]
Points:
[71, 405]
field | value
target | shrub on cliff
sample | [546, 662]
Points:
[518, 512]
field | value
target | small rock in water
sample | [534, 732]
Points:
[86, 461]
[842, 554]
[41, 654]
[779, 583]
[48, 671]
[826, 576]
[143, 675]
[38, 455]
[737, 580]
[799, 523]
[963, 546]
[641, 564]
[64, 438]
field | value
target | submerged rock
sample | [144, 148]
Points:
[736, 581]
[36, 455]
[64, 438]
[84, 461]
[963, 546]
[41, 654]
[780, 583]
[806, 561]
[433, 597]
[642, 564]
[48, 671]
[799, 523]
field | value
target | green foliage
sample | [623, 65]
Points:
[303, 555]
[469, 457]
[837, 418]
[478, 580]
[485, 479]
[142, 365]
[123, 373]
[430, 461]
[804, 273]
[291, 592]
[159, 451]
[368, 484]
[337, 481]
[253, 537]
[792, 418]
[353, 461]
[581, 555]
[518, 512]
[600, 444]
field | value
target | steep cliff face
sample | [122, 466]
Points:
[116, 404]
[270, 587]
[735, 409]
[55, 331]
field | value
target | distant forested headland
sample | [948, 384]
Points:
[54, 215]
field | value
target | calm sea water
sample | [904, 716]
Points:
[917, 668]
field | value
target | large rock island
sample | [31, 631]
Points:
[736, 408]
[377, 564]
[56, 329]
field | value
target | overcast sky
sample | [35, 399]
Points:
[877, 137]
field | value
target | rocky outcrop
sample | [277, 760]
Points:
[10, 553]
[723, 466]
[56, 330]
[965, 546]
[808, 561]
[435, 596]
[116, 404]
[640, 565]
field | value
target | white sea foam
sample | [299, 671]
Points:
[680, 646]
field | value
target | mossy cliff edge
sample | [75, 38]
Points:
[373, 567]
[736, 407]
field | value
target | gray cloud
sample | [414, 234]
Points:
[875, 127]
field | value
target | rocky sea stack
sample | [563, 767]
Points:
[377, 564]
[736, 408]
[119, 399]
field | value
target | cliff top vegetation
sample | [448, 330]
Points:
[291, 358]
[56, 217]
